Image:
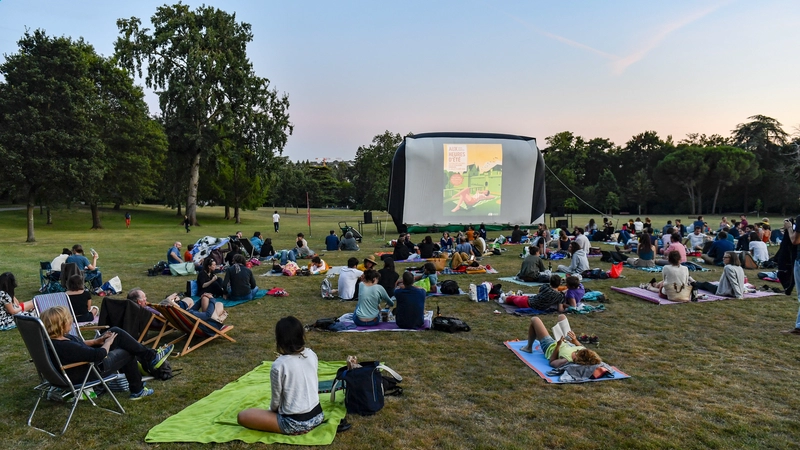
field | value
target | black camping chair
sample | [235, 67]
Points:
[49, 279]
[55, 384]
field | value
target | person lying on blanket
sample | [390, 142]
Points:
[114, 350]
[731, 283]
[370, 295]
[294, 407]
[579, 262]
[317, 266]
[676, 285]
[549, 298]
[564, 351]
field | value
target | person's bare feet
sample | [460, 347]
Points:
[526, 349]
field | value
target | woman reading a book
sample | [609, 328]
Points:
[563, 351]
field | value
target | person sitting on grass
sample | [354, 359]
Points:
[174, 254]
[718, 250]
[401, 251]
[675, 245]
[348, 281]
[9, 305]
[348, 243]
[388, 275]
[566, 350]
[294, 407]
[317, 266]
[267, 250]
[114, 350]
[758, 248]
[257, 241]
[731, 283]
[370, 295]
[426, 248]
[696, 240]
[532, 265]
[676, 284]
[369, 263]
[575, 291]
[239, 281]
[429, 272]
[563, 241]
[301, 247]
[208, 280]
[446, 242]
[81, 300]
[579, 263]
[645, 252]
[332, 242]
[548, 299]
[410, 310]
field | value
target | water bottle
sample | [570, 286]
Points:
[91, 250]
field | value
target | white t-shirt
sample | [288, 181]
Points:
[697, 240]
[58, 261]
[348, 278]
[638, 226]
[583, 241]
[276, 217]
[294, 383]
[759, 249]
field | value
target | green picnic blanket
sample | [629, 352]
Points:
[213, 418]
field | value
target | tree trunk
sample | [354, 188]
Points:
[227, 212]
[194, 180]
[746, 192]
[236, 213]
[690, 191]
[49, 216]
[716, 195]
[117, 206]
[96, 225]
[31, 236]
[179, 210]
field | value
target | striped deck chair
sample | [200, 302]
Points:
[43, 302]
[191, 326]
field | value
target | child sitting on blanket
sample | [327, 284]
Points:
[294, 407]
[566, 350]
[575, 291]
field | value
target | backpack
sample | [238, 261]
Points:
[595, 274]
[326, 290]
[364, 393]
[158, 268]
[164, 372]
[449, 324]
[449, 287]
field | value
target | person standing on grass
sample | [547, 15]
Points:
[276, 219]
[127, 219]
[791, 233]
[294, 407]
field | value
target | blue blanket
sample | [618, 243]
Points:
[541, 365]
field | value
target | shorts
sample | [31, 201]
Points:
[292, 427]
[545, 343]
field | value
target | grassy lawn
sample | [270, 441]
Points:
[704, 375]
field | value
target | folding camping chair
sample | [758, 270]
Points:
[55, 384]
[191, 326]
[133, 318]
[49, 279]
[46, 301]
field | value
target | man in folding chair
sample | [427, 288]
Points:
[114, 350]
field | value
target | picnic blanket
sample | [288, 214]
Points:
[516, 280]
[230, 303]
[653, 297]
[693, 267]
[582, 308]
[449, 271]
[541, 365]
[213, 418]
[346, 325]
[439, 294]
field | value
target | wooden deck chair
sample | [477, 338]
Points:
[46, 301]
[54, 382]
[190, 325]
[133, 318]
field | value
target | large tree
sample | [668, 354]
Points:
[371, 171]
[49, 129]
[765, 137]
[197, 61]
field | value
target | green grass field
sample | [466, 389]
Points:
[707, 375]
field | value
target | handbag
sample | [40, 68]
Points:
[677, 293]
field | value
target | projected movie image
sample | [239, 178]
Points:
[473, 176]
